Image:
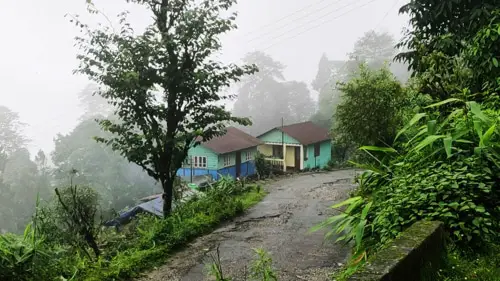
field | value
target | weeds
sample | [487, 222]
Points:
[261, 268]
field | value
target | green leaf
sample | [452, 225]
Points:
[478, 128]
[427, 141]
[377, 148]
[412, 122]
[485, 139]
[347, 202]
[450, 100]
[495, 61]
[475, 108]
[360, 230]
[447, 145]
[365, 211]
[431, 127]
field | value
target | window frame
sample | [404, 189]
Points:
[306, 156]
[226, 160]
[199, 162]
[317, 149]
[278, 151]
[248, 156]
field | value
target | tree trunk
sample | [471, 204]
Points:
[92, 243]
[168, 187]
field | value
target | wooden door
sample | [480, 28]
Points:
[238, 163]
[297, 158]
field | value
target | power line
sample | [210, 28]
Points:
[286, 16]
[308, 22]
[316, 26]
[386, 14]
[297, 19]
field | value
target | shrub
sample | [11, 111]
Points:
[454, 168]
[71, 218]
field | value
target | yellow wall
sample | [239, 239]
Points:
[266, 149]
[290, 156]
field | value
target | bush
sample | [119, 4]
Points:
[71, 218]
[446, 171]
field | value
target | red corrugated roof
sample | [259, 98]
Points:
[306, 132]
[233, 140]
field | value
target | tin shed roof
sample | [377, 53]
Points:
[233, 140]
[306, 132]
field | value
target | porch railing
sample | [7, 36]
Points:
[275, 162]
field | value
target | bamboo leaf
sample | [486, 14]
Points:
[347, 202]
[447, 145]
[485, 139]
[428, 141]
[378, 148]
[475, 108]
[365, 211]
[412, 122]
[431, 127]
[450, 100]
[360, 231]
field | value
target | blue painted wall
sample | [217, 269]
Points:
[247, 169]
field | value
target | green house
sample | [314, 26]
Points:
[298, 146]
[230, 154]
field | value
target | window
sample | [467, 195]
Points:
[199, 162]
[305, 153]
[227, 160]
[278, 151]
[248, 156]
[316, 150]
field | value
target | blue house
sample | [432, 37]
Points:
[230, 154]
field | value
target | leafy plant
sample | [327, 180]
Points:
[454, 166]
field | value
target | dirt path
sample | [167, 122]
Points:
[279, 224]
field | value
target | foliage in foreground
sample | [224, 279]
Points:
[454, 167]
[143, 243]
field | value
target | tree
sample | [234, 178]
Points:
[369, 113]
[93, 105]
[267, 98]
[441, 32]
[118, 182]
[11, 137]
[374, 49]
[161, 77]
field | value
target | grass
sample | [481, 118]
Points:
[159, 238]
[470, 266]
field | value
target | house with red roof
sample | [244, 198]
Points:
[297, 146]
[230, 154]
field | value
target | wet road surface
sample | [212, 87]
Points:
[279, 224]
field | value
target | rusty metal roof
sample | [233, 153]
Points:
[233, 140]
[306, 132]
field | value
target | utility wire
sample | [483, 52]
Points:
[296, 19]
[315, 26]
[285, 17]
[386, 14]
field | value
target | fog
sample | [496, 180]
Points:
[38, 56]
[293, 38]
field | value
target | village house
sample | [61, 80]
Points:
[297, 146]
[230, 154]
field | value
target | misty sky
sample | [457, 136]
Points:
[37, 53]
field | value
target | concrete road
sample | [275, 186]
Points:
[279, 224]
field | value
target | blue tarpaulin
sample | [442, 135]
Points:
[154, 207]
